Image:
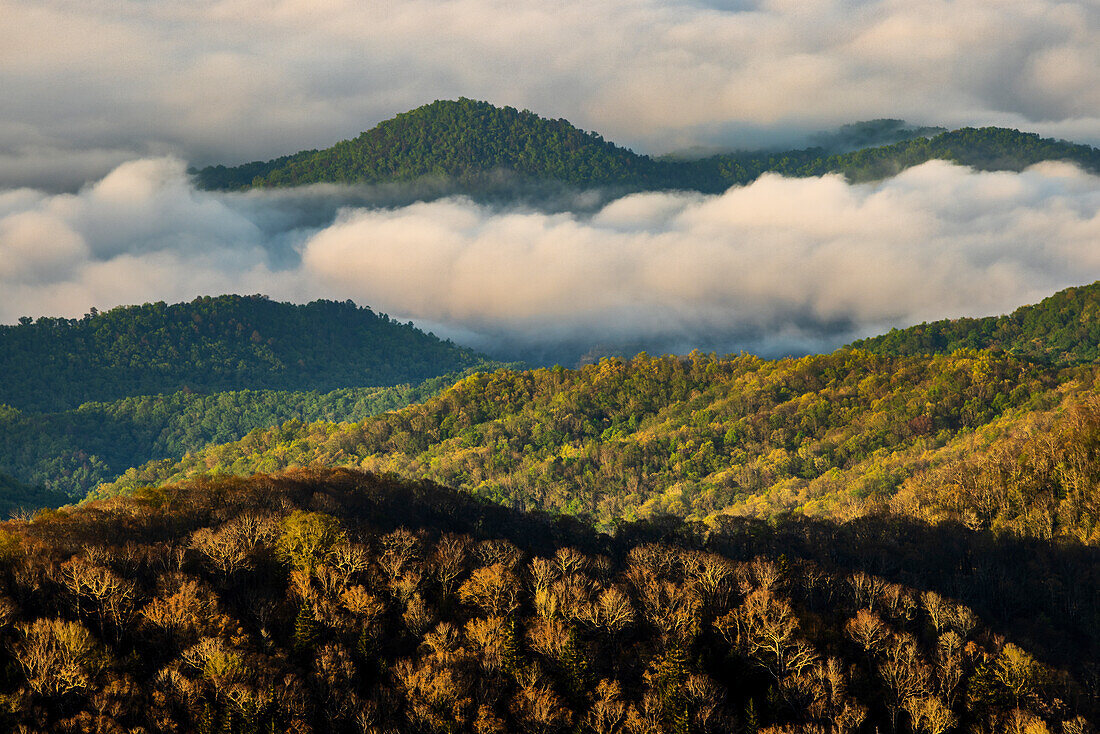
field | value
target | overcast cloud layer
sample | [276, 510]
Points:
[781, 265]
[88, 84]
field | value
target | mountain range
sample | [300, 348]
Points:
[836, 543]
[877, 424]
[481, 147]
[237, 515]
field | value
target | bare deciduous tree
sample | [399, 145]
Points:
[57, 656]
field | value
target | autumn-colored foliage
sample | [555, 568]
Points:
[344, 602]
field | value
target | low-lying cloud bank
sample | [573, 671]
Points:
[779, 266]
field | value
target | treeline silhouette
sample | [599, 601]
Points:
[347, 602]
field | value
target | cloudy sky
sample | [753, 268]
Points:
[88, 84]
[105, 103]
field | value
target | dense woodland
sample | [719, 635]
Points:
[965, 436]
[1000, 436]
[68, 453]
[341, 602]
[1062, 329]
[469, 142]
[213, 344]
[698, 437]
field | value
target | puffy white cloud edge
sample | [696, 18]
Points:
[781, 264]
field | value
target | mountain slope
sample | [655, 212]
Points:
[213, 344]
[470, 142]
[1061, 329]
[344, 602]
[71, 452]
[698, 437]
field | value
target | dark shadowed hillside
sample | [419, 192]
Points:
[16, 496]
[344, 602]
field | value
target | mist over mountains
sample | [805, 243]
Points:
[778, 266]
[729, 421]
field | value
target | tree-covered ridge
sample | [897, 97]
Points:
[1061, 329]
[467, 141]
[342, 602]
[697, 437]
[984, 149]
[70, 452]
[458, 139]
[210, 345]
[1035, 473]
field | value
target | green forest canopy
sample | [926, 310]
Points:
[700, 437]
[468, 141]
[214, 344]
[70, 452]
[1062, 329]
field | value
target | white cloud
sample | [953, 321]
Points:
[140, 234]
[232, 80]
[781, 264]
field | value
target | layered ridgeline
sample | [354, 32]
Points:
[1062, 329]
[835, 435]
[471, 143]
[63, 455]
[214, 344]
[699, 437]
[341, 602]
[183, 370]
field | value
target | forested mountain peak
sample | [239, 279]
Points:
[211, 344]
[457, 139]
[467, 143]
[1061, 329]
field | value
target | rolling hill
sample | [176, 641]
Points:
[211, 345]
[462, 139]
[472, 143]
[701, 437]
[832, 435]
